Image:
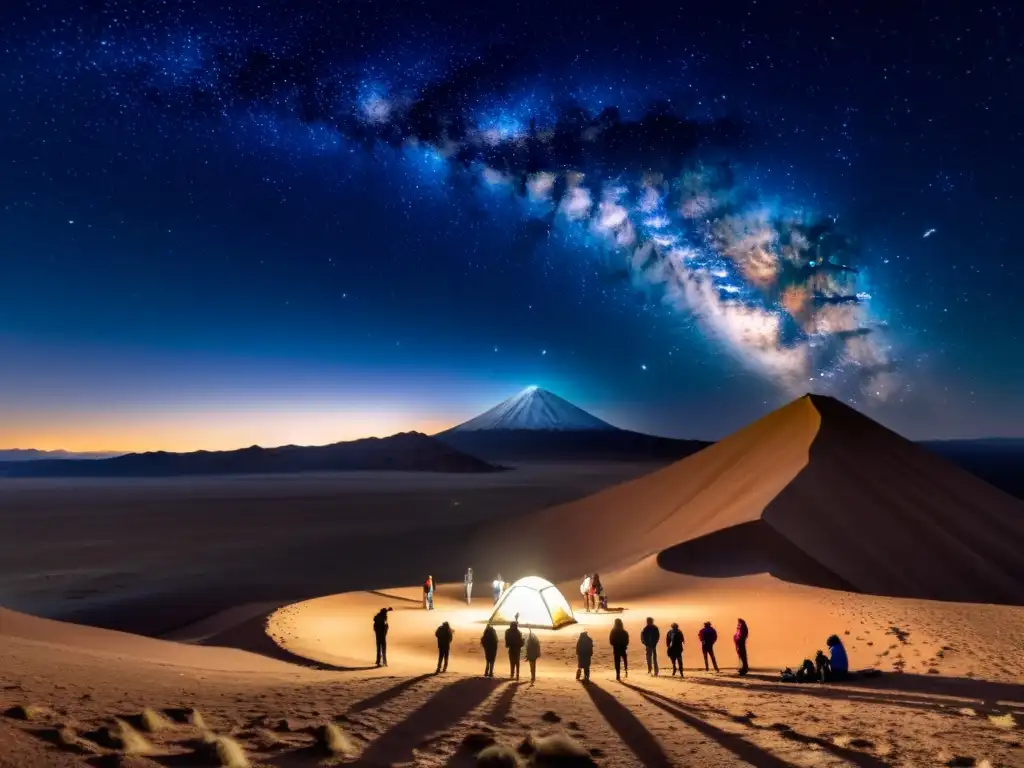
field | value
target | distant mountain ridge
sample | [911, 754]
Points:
[34, 454]
[406, 451]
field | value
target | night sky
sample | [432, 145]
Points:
[303, 221]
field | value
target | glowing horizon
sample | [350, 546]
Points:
[101, 433]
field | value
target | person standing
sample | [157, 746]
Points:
[532, 654]
[708, 637]
[444, 634]
[584, 653]
[585, 591]
[596, 590]
[428, 593]
[467, 580]
[650, 637]
[740, 639]
[489, 642]
[619, 639]
[380, 632]
[497, 586]
[514, 644]
[674, 641]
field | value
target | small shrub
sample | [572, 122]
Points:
[127, 739]
[331, 739]
[498, 756]
[25, 712]
[230, 753]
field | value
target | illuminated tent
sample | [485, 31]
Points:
[538, 603]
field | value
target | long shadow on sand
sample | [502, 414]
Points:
[396, 598]
[853, 756]
[743, 749]
[922, 692]
[251, 636]
[387, 694]
[440, 712]
[499, 712]
[629, 728]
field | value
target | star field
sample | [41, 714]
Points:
[678, 218]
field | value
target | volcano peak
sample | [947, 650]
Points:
[535, 409]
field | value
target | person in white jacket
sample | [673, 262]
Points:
[467, 580]
[585, 591]
[498, 586]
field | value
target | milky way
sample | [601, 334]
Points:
[654, 192]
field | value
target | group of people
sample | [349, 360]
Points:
[592, 591]
[514, 644]
[467, 586]
[650, 638]
[824, 668]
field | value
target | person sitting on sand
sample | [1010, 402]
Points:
[649, 637]
[584, 653]
[740, 639]
[674, 643]
[838, 666]
[444, 634]
[467, 582]
[532, 654]
[514, 644]
[489, 642]
[708, 637]
[585, 591]
[619, 640]
[380, 632]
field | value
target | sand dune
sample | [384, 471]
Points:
[814, 492]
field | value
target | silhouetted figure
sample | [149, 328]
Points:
[489, 642]
[596, 592]
[650, 636]
[380, 632]
[428, 593]
[497, 586]
[674, 643]
[740, 639]
[532, 654]
[444, 635]
[619, 639]
[514, 644]
[837, 665]
[708, 637]
[584, 653]
[585, 592]
[467, 582]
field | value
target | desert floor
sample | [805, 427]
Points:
[252, 587]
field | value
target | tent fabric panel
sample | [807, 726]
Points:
[558, 608]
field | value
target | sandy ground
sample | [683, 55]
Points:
[958, 698]
[227, 579]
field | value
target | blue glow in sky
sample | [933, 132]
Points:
[353, 202]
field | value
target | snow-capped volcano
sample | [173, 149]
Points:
[534, 409]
